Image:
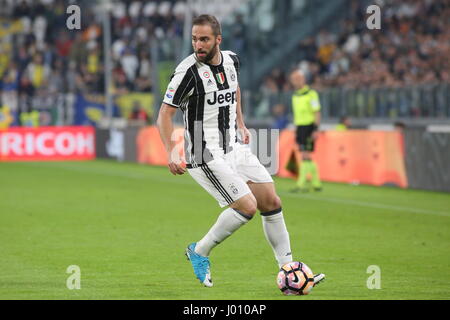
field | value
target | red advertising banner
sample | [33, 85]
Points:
[358, 156]
[47, 144]
[150, 148]
[353, 156]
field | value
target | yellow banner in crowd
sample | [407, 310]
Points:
[9, 27]
[127, 102]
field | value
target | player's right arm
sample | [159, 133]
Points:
[166, 128]
[179, 89]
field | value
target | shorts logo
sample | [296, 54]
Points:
[233, 189]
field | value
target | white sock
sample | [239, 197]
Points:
[277, 235]
[228, 222]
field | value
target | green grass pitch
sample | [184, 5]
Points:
[126, 226]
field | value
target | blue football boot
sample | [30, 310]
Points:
[200, 264]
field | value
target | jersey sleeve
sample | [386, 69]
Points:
[315, 102]
[179, 88]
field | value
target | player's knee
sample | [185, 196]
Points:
[246, 205]
[249, 206]
[270, 204]
[275, 202]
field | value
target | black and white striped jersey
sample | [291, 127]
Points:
[207, 95]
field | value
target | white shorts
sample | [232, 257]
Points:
[226, 177]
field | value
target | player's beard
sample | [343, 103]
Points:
[209, 56]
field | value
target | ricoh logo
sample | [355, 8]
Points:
[34, 144]
[222, 98]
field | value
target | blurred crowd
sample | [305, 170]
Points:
[44, 64]
[412, 48]
[41, 58]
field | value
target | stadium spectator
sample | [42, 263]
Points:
[280, 118]
[63, 44]
[5, 115]
[130, 64]
[10, 86]
[78, 50]
[92, 61]
[238, 34]
[57, 81]
[344, 124]
[138, 115]
[143, 81]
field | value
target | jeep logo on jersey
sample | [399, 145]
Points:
[222, 98]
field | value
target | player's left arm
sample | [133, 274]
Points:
[245, 134]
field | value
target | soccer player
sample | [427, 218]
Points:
[306, 110]
[205, 88]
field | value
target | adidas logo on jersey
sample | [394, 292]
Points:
[226, 97]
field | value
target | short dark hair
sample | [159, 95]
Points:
[207, 19]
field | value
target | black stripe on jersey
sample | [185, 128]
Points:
[183, 89]
[217, 183]
[197, 154]
[216, 70]
[224, 128]
[224, 112]
[237, 64]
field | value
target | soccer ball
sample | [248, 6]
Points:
[295, 278]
